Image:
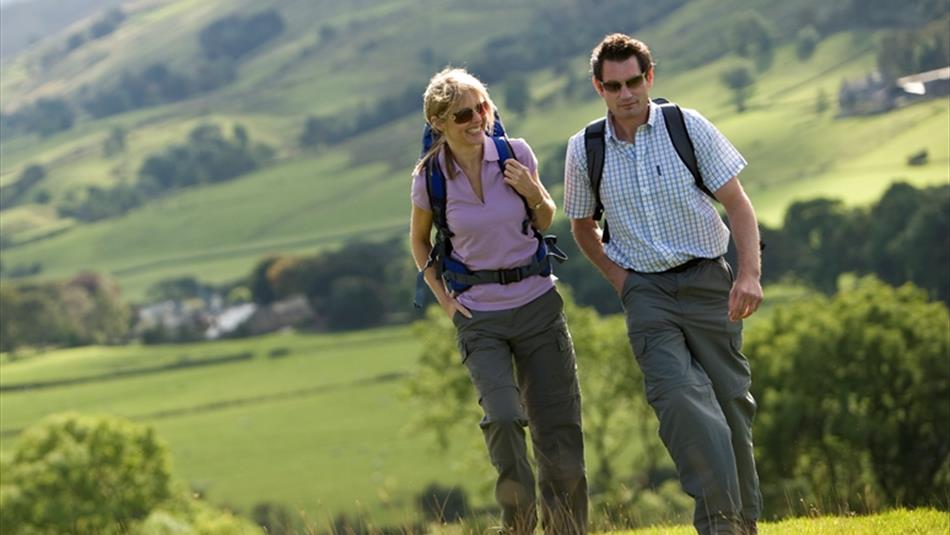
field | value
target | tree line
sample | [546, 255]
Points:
[206, 157]
[85, 309]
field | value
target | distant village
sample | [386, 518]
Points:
[873, 94]
[208, 318]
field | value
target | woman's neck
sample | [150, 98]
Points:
[468, 155]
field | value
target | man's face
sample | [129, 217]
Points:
[625, 89]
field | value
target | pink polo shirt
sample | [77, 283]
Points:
[488, 234]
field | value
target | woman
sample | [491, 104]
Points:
[513, 337]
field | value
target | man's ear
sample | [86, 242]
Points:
[597, 85]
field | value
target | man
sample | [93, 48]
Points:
[664, 257]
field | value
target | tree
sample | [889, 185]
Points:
[818, 233]
[11, 194]
[84, 475]
[83, 310]
[806, 41]
[32, 316]
[106, 24]
[851, 395]
[320, 130]
[517, 95]
[821, 101]
[740, 78]
[356, 302]
[754, 38]
[235, 36]
[114, 142]
[260, 285]
[51, 115]
[9, 307]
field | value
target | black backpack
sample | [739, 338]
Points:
[675, 126]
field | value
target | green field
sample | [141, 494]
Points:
[318, 423]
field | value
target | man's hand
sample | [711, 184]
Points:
[617, 276]
[745, 297]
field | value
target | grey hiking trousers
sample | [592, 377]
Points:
[521, 362]
[697, 381]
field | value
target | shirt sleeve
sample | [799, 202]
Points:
[524, 154]
[578, 196]
[718, 159]
[420, 197]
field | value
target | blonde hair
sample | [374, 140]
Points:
[445, 90]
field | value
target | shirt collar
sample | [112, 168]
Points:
[651, 121]
[489, 153]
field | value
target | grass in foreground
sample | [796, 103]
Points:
[896, 522]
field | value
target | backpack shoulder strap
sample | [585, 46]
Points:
[505, 152]
[594, 143]
[594, 146]
[436, 188]
[676, 128]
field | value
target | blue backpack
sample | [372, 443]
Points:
[456, 275]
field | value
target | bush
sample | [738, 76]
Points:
[806, 41]
[442, 504]
[235, 36]
[84, 475]
[847, 392]
[918, 158]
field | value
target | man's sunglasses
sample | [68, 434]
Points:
[613, 86]
[465, 115]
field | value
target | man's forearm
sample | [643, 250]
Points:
[744, 227]
[745, 233]
[587, 234]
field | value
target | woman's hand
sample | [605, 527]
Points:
[523, 181]
[451, 306]
[527, 184]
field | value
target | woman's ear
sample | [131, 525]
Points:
[437, 124]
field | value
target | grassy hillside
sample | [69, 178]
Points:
[22, 24]
[339, 58]
[316, 423]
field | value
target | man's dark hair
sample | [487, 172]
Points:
[619, 47]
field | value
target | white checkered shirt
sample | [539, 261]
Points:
[657, 216]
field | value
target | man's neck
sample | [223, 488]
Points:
[627, 130]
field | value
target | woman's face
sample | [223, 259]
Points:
[464, 124]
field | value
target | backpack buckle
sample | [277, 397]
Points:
[508, 276]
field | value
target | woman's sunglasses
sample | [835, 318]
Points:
[613, 86]
[465, 115]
